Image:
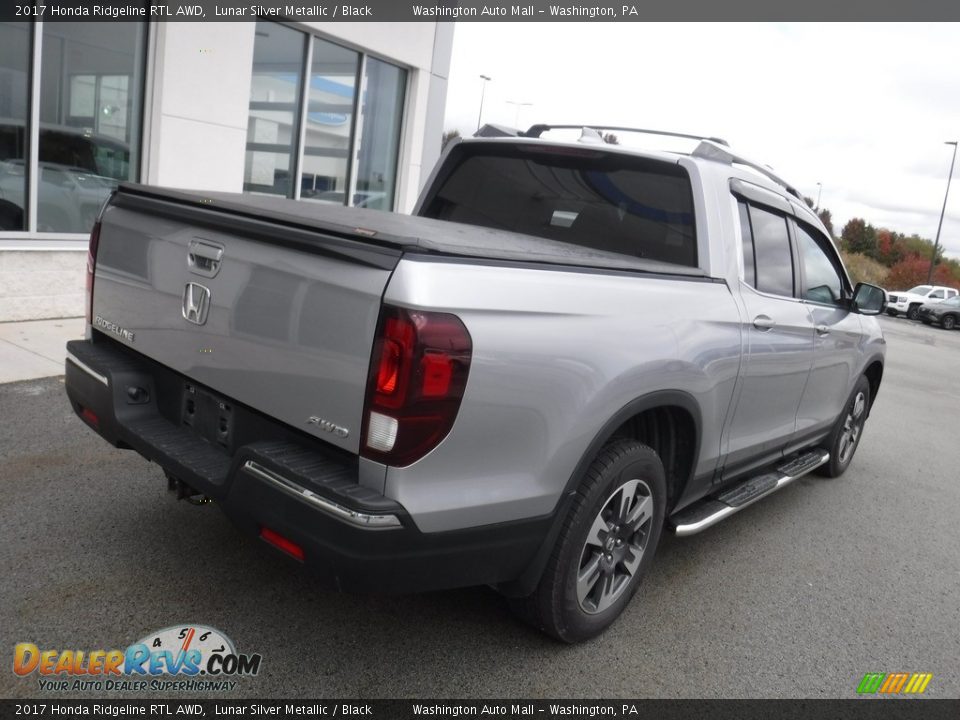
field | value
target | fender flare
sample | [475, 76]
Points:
[527, 582]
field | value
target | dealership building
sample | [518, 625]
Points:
[337, 113]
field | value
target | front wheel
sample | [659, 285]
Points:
[845, 437]
[948, 322]
[913, 313]
[605, 546]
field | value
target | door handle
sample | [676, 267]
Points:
[204, 258]
[823, 330]
[764, 323]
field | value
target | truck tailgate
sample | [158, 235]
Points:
[278, 318]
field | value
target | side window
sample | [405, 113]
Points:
[771, 246]
[749, 264]
[822, 281]
[936, 295]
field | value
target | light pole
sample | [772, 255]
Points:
[483, 90]
[819, 190]
[518, 105]
[936, 241]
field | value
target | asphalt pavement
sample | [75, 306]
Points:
[798, 596]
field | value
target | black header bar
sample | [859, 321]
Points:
[471, 11]
[854, 709]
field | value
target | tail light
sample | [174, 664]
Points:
[418, 373]
[92, 267]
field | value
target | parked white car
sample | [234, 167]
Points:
[908, 302]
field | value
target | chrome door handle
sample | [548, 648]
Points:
[823, 330]
[764, 323]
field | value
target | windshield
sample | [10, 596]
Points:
[920, 289]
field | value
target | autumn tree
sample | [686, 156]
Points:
[916, 245]
[859, 237]
[448, 136]
[889, 249]
[912, 271]
[827, 219]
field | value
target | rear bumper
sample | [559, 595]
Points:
[272, 477]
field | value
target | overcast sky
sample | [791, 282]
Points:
[862, 108]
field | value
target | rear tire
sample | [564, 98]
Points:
[605, 547]
[948, 322]
[845, 437]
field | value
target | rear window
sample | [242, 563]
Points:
[598, 200]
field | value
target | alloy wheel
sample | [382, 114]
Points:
[615, 546]
[852, 426]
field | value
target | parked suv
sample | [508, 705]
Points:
[908, 302]
[569, 347]
[946, 313]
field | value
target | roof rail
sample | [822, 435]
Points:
[709, 150]
[536, 131]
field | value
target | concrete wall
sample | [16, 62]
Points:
[195, 125]
[39, 284]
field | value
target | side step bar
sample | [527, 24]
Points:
[711, 511]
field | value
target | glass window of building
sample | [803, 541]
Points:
[14, 103]
[328, 126]
[90, 118]
[382, 113]
[275, 102]
[338, 134]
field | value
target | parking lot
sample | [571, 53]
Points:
[798, 596]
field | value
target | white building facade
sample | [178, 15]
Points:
[341, 113]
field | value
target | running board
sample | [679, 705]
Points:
[712, 510]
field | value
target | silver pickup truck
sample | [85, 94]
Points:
[567, 348]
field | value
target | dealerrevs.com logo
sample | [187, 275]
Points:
[187, 658]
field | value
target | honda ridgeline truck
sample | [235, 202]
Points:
[568, 347]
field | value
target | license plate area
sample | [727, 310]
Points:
[208, 415]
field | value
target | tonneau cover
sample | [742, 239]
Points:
[409, 233]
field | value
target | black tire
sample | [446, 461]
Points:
[913, 312]
[948, 322]
[850, 421]
[622, 468]
[892, 313]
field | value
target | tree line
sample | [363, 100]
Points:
[892, 259]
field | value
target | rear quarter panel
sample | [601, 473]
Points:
[556, 353]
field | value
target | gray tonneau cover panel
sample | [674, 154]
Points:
[407, 232]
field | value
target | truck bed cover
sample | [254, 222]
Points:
[396, 231]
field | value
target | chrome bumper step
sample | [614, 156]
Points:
[709, 512]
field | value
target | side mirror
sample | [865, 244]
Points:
[868, 299]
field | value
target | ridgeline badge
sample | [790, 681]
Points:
[112, 327]
[174, 658]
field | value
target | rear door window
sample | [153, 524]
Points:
[605, 201]
[774, 260]
[749, 262]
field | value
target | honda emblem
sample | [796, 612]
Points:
[196, 303]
